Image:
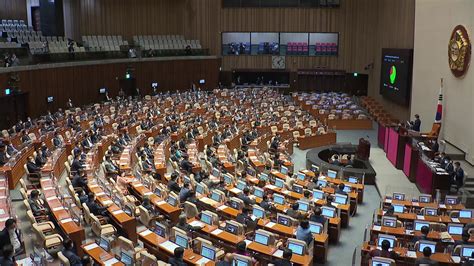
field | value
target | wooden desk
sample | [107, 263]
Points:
[99, 255]
[268, 253]
[349, 124]
[313, 141]
[439, 219]
[14, 169]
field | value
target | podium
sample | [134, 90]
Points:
[397, 139]
[410, 161]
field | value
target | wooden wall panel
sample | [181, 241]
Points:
[13, 9]
[82, 83]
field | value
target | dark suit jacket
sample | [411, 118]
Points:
[33, 168]
[74, 260]
[416, 125]
[173, 186]
[425, 261]
[3, 158]
[176, 262]
[5, 239]
[246, 199]
[283, 262]
[6, 261]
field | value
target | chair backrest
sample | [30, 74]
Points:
[27, 204]
[190, 209]
[87, 213]
[63, 259]
[144, 216]
[26, 169]
[31, 217]
[126, 243]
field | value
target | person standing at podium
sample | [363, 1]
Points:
[416, 124]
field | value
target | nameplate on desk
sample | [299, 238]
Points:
[51, 198]
[93, 186]
[58, 209]
[272, 187]
[270, 224]
[110, 262]
[235, 190]
[107, 202]
[161, 202]
[67, 220]
[117, 212]
[196, 223]
[411, 254]
[278, 253]
[148, 193]
[138, 185]
[217, 231]
[442, 206]
[388, 201]
[415, 203]
[455, 220]
[145, 233]
[202, 261]
[420, 217]
[222, 207]
[377, 228]
[100, 194]
[408, 232]
[91, 246]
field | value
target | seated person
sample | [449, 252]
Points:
[465, 236]
[340, 189]
[186, 165]
[294, 212]
[147, 205]
[40, 160]
[425, 260]
[11, 235]
[424, 234]
[245, 197]
[77, 164]
[110, 167]
[70, 253]
[177, 259]
[241, 249]
[385, 253]
[57, 142]
[3, 155]
[7, 256]
[316, 216]
[245, 218]
[81, 194]
[184, 192]
[94, 207]
[173, 184]
[335, 160]
[79, 180]
[35, 203]
[267, 203]
[183, 224]
[304, 233]
[286, 258]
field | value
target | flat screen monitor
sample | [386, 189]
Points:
[318, 194]
[303, 206]
[467, 251]
[332, 174]
[259, 213]
[431, 212]
[301, 176]
[465, 214]
[206, 218]
[423, 244]
[298, 189]
[199, 189]
[202, 81]
[227, 180]
[322, 183]
[261, 238]
[278, 199]
[208, 252]
[125, 258]
[154, 84]
[389, 238]
[172, 201]
[340, 199]
[251, 171]
[419, 224]
[240, 262]
[284, 170]
[378, 261]
[102, 90]
[283, 220]
[241, 185]
[215, 172]
[231, 228]
[263, 177]
[279, 183]
[8, 91]
[398, 208]
[425, 198]
[160, 229]
[257, 192]
[235, 204]
[388, 221]
[399, 196]
[316, 228]
[347, 189]
[353, 180]
[181, 241]
[451, 200]
[104, 244]
[314, 168]
[296, 248]
[396, 72]
[215, 196]
[455, 229]
[328, 212]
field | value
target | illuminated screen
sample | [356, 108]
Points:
[208, 252]
[396, 72]
[257, 213]
[315, 228]
[391, 240]
[296, 248]
[258, 193]
[262, 239]
[455, 229]
[419, 225]
[279, 199]
[236, 43]
[181, 241]
[424, 245]
[206, 219]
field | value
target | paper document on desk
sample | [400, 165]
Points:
[411, 254]
[222, 207]
[67, 220]
[107, 202]
[270, 224]
[455, 220]
[388, 201]
[100, 194]
[278, 253]
[169, 246]
[117, 212]
[415, 203]
[111, 262]
[442, 206]
[196, 223]
[58, 208]
[272, 187]
[161, 202]
[217, 231]
[91, 246]
[145, 233]
[377, 228]
[202, 261]
[408, 232]
[456, 259]
[420, 217]
[247, 242]
[235, 190]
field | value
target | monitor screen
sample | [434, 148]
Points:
[284, 170]
[126, 258]
[231, 228]
[283, 220]
[298, 189]
[431, 212]
[315, 228]
[160, 229]
[340, 199]
[398, 208]
[215, 196]
[181, 241]
[261, 238]
[102, 90]
[50, 99]
[104, 244]
[455, 229]
[314, 168]
[8, 91]
[301, 176]
[279, 182]
[158, 192]
[206, 218]
[202, 81]
[322, 183]
[399, 196]
[347, 189]
[450, 200]
[208, 252]
[465, 214]
[257, 213]
[390, 239]
[228, 180]
[171, 201]
[328, 212]
[215, 172]
[241, 185]
[234, 204]
[396, 72]
[467, 251]
[318, 194]
[199, 189]
[380, 262]
[278, 199]
[353, 180]
[422, 246]
[389, 221]
[425, 199]
[239, 262]
[303, 206]
[296, 248]
[258, 193]
[332, 174]
[250, 172]
[420, 224]
[263, 177]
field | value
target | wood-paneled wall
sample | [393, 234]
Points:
[13, 9]
[81, 83]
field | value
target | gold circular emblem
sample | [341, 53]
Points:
[459, 51]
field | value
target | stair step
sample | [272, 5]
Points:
[469, 184]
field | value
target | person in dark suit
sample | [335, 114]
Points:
[173, 184]
[186, 165]
[3, 155]
[77, 165]
[336, 161]
[177, 259]
[11, 235]
[94, 207]
[317, 216]
[35, 203]
[384, 252]
[39, 159]
[458, 175]
[424, 234]
[70, 254]
[57, 142]
[7, 258]
[25, 138]
[340, 189]
[416, 124]
[79, 180]
[286, 258]
[426, 260]
[267, 203]
[110, 167]
[294, 212]
[245, 197]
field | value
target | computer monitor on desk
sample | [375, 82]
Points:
[228, 179]
[251, 171]
[241, 185]
[318, 194]
[353, 180]
[298, 247]
[298, 189]
[398, 196]
[181, 240]
[465, 214]
[303, 205]
[126, 258]
[328, 212]
[207, 217]
[316, 228]
[418, 224]
[262, 238]
[216, 196]
[160, 229]
[104, 243]
[278, 199]
[424, 198]
[258, 192]
[467, 251]
[284, 170]
[340, 199]
[216, 172]
[380, 261]
[422, 244]
[391, 239]
[451, 200]
[232, 227]
[279, 183]
[207, 251]
[240, 260]
[314, 168]
[431, 211]
[455, 229]
[332, 174]
[398, 208]
[263, 177]
[301, 176]
[283, 219]
[172, 200]
[322, 183]
[258, 212]
[389, 221]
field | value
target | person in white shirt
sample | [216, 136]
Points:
[12, 235]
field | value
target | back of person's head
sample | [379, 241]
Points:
[90, 196]
[7, 251]
[174, 176]
[9, 224]
[425, 230]
[245, 210]
[466, 236]
[342, 186]
[336, 157]
[385, 244]
[304, 224]
[317, 211]
[306, 193]
[457, 164]
[417, 116]
[287, 253]
[67, 244]
[178, 252]
[241, 247]
[34, 194]
[246, 190]
[295, 206]
[182, 219]
[186, 185]
[427, 252]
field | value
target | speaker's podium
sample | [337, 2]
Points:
[397, 139]
[129, 86]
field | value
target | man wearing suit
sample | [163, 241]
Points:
[76, 165]
[94, 207]
[70, 254]
[110, 167]
[3, 155]
[458, 175]
[7, 258]
[11, 235]
[426, 260]
[32, 167]
[246, 198]
[57, 142]
[416, 124]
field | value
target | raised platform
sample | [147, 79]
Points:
[320, 157]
